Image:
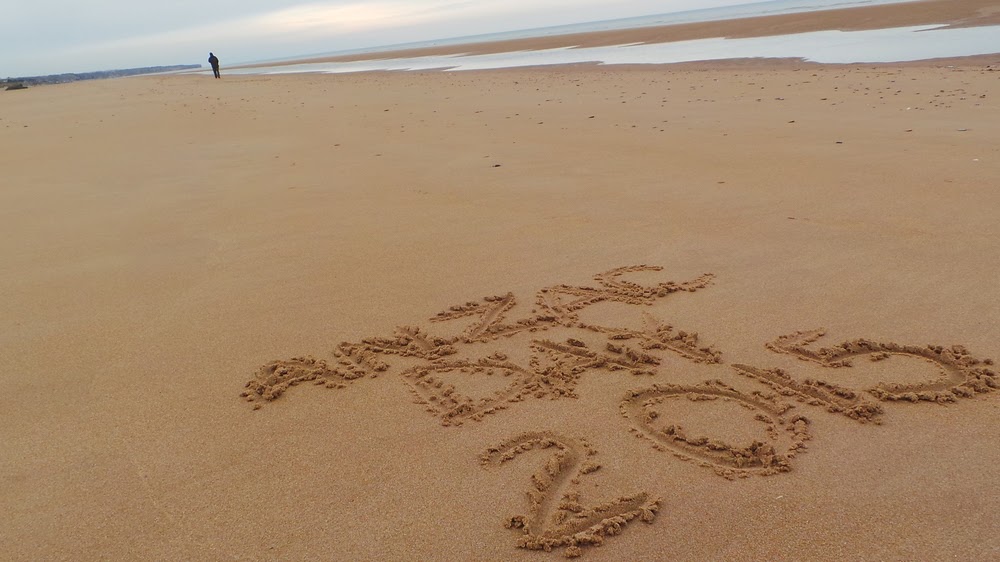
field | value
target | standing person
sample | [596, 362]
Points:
[214, 61]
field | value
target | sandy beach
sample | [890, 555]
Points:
[730, 311]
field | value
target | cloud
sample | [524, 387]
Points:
[326, 18]
[293, 23]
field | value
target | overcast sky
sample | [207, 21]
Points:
[52, 36]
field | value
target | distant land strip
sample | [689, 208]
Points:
[20, 82]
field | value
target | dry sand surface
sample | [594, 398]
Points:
[517, 369]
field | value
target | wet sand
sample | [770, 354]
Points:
[954, 13]
[724, 311]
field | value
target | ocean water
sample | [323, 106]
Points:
[880, 45]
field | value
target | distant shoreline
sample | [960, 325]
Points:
[953, 13]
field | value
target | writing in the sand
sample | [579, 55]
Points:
[437, 368]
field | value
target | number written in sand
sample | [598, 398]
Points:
[961, 375]
[555, 517]
[648, 410]
[469, 376]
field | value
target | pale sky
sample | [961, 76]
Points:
[53, 36]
